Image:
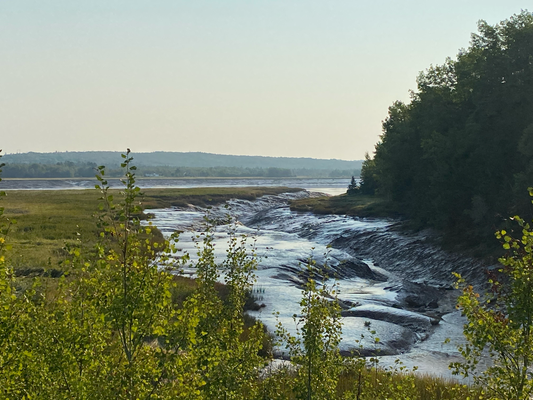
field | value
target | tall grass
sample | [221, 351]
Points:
[401, 384]
[49, 219]
[360, 205]
[374, 384]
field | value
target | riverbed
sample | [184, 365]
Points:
[393, 286]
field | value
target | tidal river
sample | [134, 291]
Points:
[393, 286]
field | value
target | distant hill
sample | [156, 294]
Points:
[178, 159]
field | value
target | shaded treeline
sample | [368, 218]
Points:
[458, 157]
[69, 169]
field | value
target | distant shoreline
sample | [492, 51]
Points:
[277, 178]
[331, 186]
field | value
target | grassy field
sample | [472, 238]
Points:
[360, 205]
[48, 219]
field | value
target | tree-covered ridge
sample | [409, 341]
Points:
[182, 159]
[174, 164]
[459, 156]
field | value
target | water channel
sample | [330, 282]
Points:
[395, 286]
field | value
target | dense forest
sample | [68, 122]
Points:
[458, 156]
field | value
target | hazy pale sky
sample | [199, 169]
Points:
[298, 78]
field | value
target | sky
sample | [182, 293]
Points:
[291, 78]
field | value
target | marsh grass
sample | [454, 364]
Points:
[393, 384]
[206, 196]
[360, 205]
[47, 220]
[378, 384]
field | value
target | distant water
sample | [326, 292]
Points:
[332, 186]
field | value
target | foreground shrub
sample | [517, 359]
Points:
[501, 323]
[108, 328]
